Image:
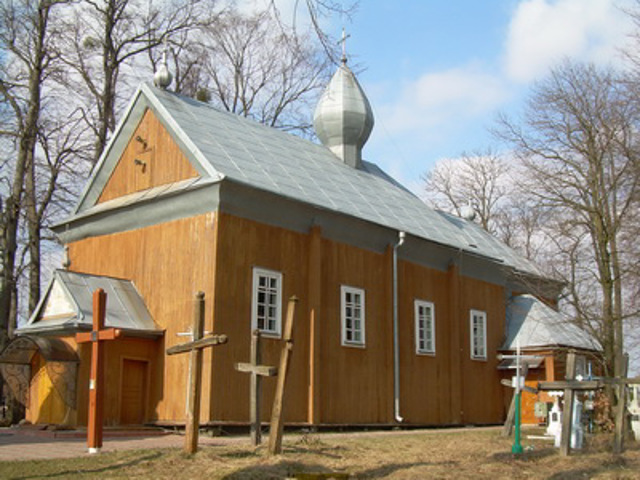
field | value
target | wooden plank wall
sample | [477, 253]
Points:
[335, 384]
[115, 352]
[162, 161]
[168, 263]
[160, 260]
[243, 244]
[481, 390]
[356, 384]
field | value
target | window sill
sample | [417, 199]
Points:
[426, 354]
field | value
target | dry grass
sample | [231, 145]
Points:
[468, 454]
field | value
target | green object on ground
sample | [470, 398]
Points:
[517, 447]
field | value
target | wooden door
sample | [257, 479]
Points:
[133, 392]
[45, 403]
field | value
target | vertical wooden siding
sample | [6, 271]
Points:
[115, 352]
[168, 263]
[163, 162]
[356, 383]
[242, 245]
[332, 383]
[45, 403]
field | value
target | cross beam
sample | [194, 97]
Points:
[210, 341]
[526, 388]
[96, 336]
[257, 371]
[575, 385]
[195, 348]
[571, 385]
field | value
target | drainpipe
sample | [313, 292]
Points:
[396, 351]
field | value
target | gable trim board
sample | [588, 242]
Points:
[157, 205]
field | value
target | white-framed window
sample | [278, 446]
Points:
[266, 308]
[352, 315]
[478, 328]
[425, 327]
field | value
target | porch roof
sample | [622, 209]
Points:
[67, 306]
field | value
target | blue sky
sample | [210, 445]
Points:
[437, 72]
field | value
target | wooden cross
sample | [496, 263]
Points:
[195, 347]
[98, 335]
[572, 385]
[275, 430]
[257, 371]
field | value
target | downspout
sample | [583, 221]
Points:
[396, 350]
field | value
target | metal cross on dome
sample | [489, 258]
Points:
[343, 41]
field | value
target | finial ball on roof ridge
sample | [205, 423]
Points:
[162, 78]
[468, 213]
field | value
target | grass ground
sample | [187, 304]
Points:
[468, 454]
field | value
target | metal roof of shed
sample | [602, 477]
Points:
[534, 324]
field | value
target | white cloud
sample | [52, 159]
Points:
[447, 96]
[542, 32]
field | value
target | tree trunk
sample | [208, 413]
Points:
[24, 172]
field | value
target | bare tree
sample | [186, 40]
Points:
[577, 142]
[102, 41]
[24, 39]
[318, 10]
[479, 180]
[252, 66]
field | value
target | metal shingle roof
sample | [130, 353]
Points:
[534, 324]
[272, 160]
[69, 300]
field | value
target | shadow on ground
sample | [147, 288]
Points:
[619, 463]
[308, 471]
[93, 471]
[526, 456]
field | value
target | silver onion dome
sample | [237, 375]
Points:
[343, 119]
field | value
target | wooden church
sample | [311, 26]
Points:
[402, 308]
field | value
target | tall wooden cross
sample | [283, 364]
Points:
[96, 336]
[257, 371]
[195, 347]
[277, 425]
